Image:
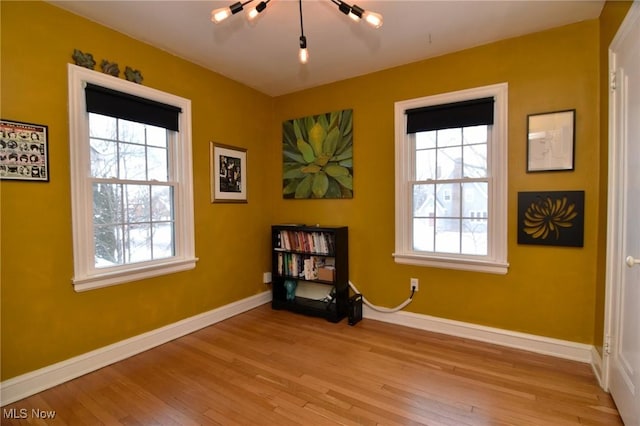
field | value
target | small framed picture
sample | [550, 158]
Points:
[551, 141]
[23, 151]
[228, 174]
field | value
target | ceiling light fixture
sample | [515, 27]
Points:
[303, 54]
[354, 12]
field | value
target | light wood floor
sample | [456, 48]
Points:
[277, 368]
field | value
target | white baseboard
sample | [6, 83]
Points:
[36, 381]
[512, 339]
[596, 365]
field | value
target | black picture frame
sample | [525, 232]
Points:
[24, 151]
[228, 173]
[551, 141]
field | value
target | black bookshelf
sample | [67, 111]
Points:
[311, 254]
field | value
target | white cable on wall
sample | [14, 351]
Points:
[382, 308]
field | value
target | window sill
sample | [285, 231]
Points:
[109, 278]
[487, 266]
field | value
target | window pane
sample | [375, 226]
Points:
[101, 126]
[137, 199]
[474, 236]
[449, 137]
[130, 131]
[425, 140]
[451, 217]
[156, 136]
[448, 200]
[161, 203]
[423, 201]
[448, 235]
[475, 161]
[103, 158]
[107, 246]
[426, 164]
[474, 199]
[133, 164]
[474, 134]
[107, 204]
[423, 234]
[449, 163]
[163, 240]
[132, 223]
[157, 163]
[137, 243]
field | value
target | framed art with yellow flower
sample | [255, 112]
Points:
[553, 218]
[317, 156]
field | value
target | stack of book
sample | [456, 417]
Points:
[306, 242]
[308, 267]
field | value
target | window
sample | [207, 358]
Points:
[131, 180]
[451, 180]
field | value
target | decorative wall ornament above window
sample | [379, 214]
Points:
[86, 60]
[354, 12]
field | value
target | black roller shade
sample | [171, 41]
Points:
[474, 112]
[110, 102]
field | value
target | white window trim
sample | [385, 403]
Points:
[496, 260]
[86, 276]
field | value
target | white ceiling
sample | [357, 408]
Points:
[263, 55]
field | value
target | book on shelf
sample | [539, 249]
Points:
[305, 241]
[308, 267]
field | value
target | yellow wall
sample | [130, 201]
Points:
[43, 320]
[548, 291]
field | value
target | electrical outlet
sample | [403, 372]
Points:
[266, 277]
[414, 284]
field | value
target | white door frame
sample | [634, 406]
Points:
[615, 204]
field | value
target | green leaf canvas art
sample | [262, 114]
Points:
[317, 153]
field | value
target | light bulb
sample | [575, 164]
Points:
[373, 19]
[219, 15]
[303, 54]
[254, 12]
[354, 17]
